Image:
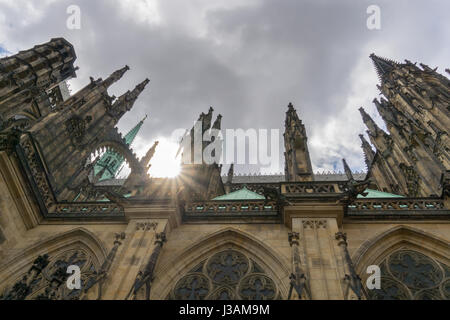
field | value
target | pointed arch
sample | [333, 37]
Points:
[229, 238]
[376, 249]
[20, 263]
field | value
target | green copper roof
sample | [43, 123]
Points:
[131, 135]
[111, 160]
[242, 194]
[378, 194]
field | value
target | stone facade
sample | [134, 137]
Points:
[151, 238]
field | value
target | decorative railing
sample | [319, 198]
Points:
[234, 207]
[85, 208]
[40, 185]
[255, 187]
[398, 206]
[312, 188]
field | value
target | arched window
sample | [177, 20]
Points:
[408, 274]
[227, 275]
[46, 278]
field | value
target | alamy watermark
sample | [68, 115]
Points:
[73, 22]
[374, 20]
[74, 280]
[251, 146]
[374, 280]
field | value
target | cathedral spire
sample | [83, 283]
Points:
[369, 154]
[230, 174]
[111, 161]
[297, 161]
[217, 124]
[126, 101]
[382, 65]
[347, 170]
[386, 113]
[370, 124]
[145, 161]
[131, 135]
[207, 118]
[115, 76]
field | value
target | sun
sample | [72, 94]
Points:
[164, 164]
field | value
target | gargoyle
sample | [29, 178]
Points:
[353, 188]
[274, 194]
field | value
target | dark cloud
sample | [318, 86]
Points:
[248, 59]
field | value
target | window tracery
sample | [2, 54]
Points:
[46, 279]
[408, 275]
[227, 275]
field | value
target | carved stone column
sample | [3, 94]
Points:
[132, 256]
[22, 288]
[298, 279]
[322, 256]
[105, 268]
[145, 276]
[352, 282]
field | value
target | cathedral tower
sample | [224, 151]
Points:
[411, 159]
[82, 125]
[29, 80]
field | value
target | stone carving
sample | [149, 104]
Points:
[314, 224]
[223, 293]
[351, 279]
[226, 275]
[257, 287]
[9, 140]
[76, 128]
[274, 194]
[145, 276]
[145, 226]
[384, 205]
[227, 267]
[101, 276]
[298, 280]
[353, 188]
[22, 288]
[37, 172]
[408, 274]
[414, 269]
[192, 287]
[412, 179]
[47, 276]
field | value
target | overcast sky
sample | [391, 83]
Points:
[246, 58]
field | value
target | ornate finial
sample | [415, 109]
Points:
[364, 114]
[217, 124]
[160, 238]
[116, 76]
[347, 170]
[230, 173]
[382, 65]
[118, 237]
[342, 237]
[126, 101]
[369, 154]
[149, 155]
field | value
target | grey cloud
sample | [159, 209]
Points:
[252, 60]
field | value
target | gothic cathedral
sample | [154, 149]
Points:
[204, 235]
